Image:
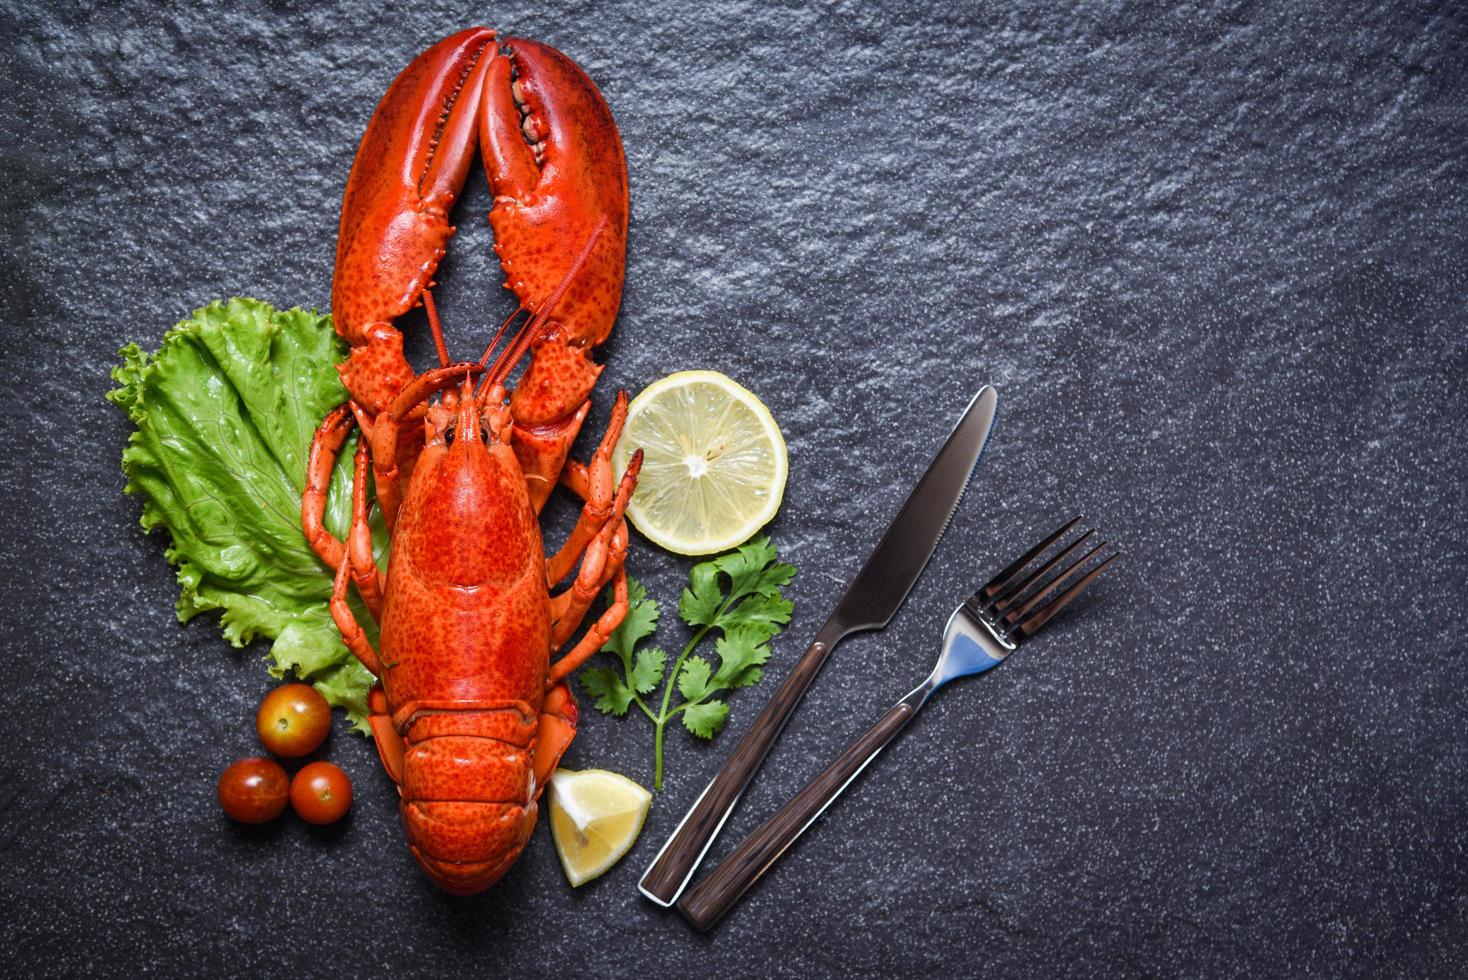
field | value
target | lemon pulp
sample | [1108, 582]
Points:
[595, 817]
[714, 462]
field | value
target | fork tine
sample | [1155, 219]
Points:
[998, 583]
[1016, 614]
[1009, 596]
[1044, 614]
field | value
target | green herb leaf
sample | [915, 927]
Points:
[647, 672]
[741, 654]
[603, 683]
[700, 602]
[764, 612]
[641, 670]
[225, 412]
[706, 719]
[754, 568]
[693, 682]
[640, 622]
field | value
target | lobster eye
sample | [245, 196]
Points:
[484, 434]
[448, 436]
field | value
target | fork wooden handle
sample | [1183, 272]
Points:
[670, 870]
[717, 893]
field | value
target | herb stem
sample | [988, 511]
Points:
[657, 756]
[664, 714]
[645, 709]
[660, 723]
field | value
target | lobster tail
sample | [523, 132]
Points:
[475, 843]
[469, 791]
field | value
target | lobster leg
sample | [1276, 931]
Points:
[325, 446]
[597, 564]
[600, 631]
[574, 477]
[352, 634]
[390, 746]
[597, 493]
[558, 718]
[365, 575]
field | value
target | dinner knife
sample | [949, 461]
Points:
[870, 602]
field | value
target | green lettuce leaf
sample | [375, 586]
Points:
[225, 412]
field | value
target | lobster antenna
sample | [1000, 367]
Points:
[437, 328]
[484, 358]
[527, 334]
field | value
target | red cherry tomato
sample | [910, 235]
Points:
[293, 720]
[254, 790]
[321, 793]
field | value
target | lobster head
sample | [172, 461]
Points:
[467, 487]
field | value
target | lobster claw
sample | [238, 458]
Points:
[557, 168]
[559, 178]
[409, 169]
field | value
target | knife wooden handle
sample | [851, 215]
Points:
[717, 893]
[664, 880]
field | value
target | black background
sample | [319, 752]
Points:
[1212, 257]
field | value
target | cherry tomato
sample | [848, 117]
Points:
[293, 720]
[321, 793]
[254, 790]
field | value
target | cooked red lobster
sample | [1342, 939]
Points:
[469, 714]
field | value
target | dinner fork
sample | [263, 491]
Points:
[982, 632]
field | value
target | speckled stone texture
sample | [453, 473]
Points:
[1214, 259]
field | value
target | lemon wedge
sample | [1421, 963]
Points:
[713, 462]
[595, 816]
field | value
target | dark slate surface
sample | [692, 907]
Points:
[1213, 258]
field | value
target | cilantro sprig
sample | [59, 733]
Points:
[738, 598]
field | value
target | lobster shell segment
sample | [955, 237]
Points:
[467, 835]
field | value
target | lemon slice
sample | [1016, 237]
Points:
[595, 816]
[713, 462]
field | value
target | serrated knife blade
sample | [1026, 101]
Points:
[870, 602]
